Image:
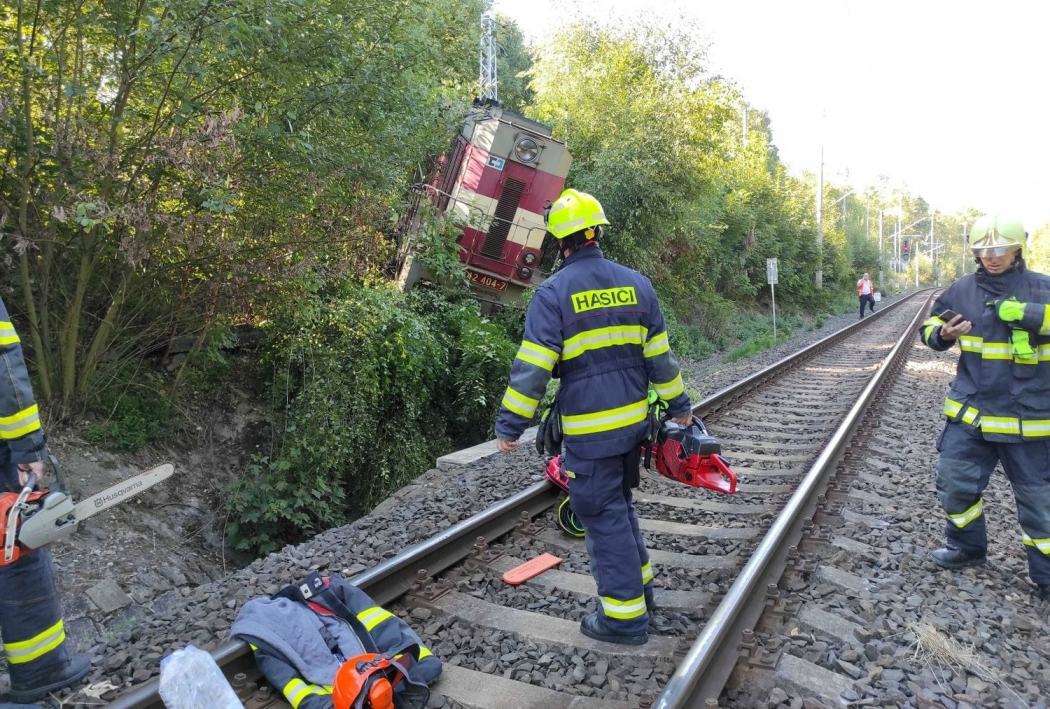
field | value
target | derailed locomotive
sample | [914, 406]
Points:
[496, 180]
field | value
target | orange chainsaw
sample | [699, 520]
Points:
[31, 518]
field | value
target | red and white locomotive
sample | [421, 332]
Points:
[497, 178]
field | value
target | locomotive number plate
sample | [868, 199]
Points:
[480, 279]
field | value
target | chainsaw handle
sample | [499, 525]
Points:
[60, 479]
[31, 482]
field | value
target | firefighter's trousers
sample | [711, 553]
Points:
[965, 466]
[601, 498]
[34, 636]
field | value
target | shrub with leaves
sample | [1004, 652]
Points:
[368, 388]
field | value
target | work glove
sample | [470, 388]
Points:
[1021, 343]
[1010, 310]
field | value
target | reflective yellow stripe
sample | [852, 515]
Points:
[1042, 544]
[1043, 351]
[1035, 428]
[657, 345]
[25, 421]
[997, 350]
[519, 403]
[538, 355]
[297, 690]
[28, 650]
[623, 610]
[1044, 329]
[647, 572]
[969, 343]
[371, 617]
[964, 518]
[1007, 425]
[8, 336]
[607, 420]
[671, 389]
[253, 646]
[929, 326]
[424, 651]
[603, 337]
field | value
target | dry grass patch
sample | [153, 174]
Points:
[934, 646]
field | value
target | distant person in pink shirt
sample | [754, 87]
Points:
[866, 294]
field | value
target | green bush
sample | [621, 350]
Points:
[751, 347]
[210, 365]
[687, 340]
[370, 385]
[135, 411]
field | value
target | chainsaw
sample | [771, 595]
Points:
[685, 454]
[32, 518]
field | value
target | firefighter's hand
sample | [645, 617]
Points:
[37, 467]
[1010, 310]
[955, 327]
[685, 419]
[505, 446]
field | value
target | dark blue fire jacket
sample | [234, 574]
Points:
[597, 325]
[20, 431]
[996, 391]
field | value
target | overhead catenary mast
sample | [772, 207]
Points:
[487, 64]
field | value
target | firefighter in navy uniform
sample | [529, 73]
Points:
[39, 660]
[600, 324]
[998, 406]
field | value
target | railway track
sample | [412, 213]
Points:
[785, 429]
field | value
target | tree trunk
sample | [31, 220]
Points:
[101, 340]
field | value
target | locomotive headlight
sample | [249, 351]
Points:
[525, 272]
[529, 258]
[526, 150]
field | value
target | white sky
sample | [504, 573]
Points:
[948, 99]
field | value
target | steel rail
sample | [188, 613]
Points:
[703, 672]
[392, 578]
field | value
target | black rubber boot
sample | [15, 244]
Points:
[76, 670]
[1042, 591]
[952, 558]
[593, 626]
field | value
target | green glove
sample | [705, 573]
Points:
[1011, 310]
[1021, 343]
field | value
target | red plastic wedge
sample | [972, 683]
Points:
[533, 567]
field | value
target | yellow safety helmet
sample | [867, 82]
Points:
[573, 211]
[993, 235]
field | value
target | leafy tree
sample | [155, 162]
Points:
[513, 62]
[170, 165]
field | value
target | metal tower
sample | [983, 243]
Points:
[487, 64]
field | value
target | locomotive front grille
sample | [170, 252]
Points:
[505, 210]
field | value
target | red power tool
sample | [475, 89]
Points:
[685, 454]
[691, 455]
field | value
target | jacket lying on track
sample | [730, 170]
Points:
[1005, 396]
[299, 646]
[19, 419]
[597, 325]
